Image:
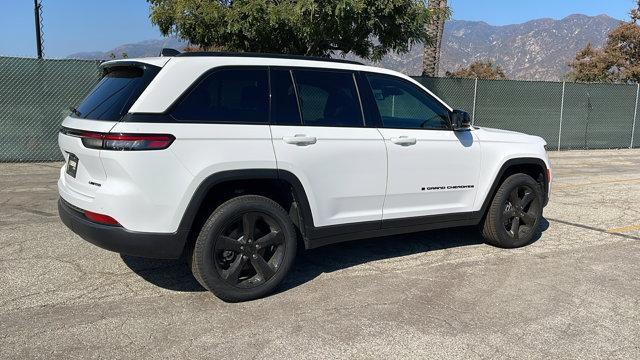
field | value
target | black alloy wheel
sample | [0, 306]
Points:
[250, 250]
[515, 212]
[520, 213]
[244, 249]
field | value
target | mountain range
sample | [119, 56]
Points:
[536, 50]
[145, 48]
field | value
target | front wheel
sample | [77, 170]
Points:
[515, 212]
[245, 249]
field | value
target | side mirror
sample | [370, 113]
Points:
[460, 120]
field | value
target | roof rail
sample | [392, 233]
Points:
[266, 55]
[169, 52]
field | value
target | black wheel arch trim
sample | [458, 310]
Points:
[209, 182]
[503, 169]
[302, 207]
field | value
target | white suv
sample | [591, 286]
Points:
[230, 159]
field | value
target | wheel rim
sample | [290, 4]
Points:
[250, 250]
[520, 212]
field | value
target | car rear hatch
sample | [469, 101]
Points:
[81, 132]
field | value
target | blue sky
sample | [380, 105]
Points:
[72, 25]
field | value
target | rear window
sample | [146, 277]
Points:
[118, 89]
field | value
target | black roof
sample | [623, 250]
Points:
[266, 55]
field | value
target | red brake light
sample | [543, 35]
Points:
[125, 142]
[100, 218]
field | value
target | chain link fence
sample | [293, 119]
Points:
[567, 115]
[35, 96]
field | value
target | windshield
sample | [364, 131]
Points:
[119, 88]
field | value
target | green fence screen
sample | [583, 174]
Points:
[579, 116]
[35, 96]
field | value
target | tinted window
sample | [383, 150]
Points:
[328, 98]
[115, 93]
[404, 105]
[284, 105]
[227, 95]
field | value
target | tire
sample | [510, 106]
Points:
[515, 212]
[245, 249]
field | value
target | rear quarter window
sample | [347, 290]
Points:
[234, 95]
[118, 89]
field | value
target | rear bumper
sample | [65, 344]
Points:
[120, 240]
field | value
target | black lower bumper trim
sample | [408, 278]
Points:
[120, 240]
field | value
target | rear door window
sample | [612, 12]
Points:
[118, 89]
[328, 98]
[233, 95]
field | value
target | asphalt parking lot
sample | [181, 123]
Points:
[574, 293]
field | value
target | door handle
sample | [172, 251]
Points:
[403, 141]
[300, 140]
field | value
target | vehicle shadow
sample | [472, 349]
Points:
[168, 274]
[175, 274]
[312, 263]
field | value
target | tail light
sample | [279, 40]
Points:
[123, 142]
[100, 218]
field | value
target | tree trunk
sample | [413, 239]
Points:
[435, 29]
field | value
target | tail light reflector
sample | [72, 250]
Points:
[100, 218]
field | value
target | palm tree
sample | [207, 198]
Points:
[435, 28]
[635, 12]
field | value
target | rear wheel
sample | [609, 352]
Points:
[244, 249]
[515, 212]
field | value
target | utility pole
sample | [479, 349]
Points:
[435, 29]
[36, 9]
